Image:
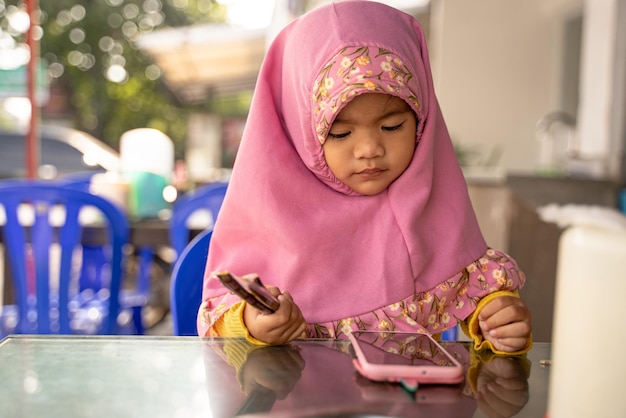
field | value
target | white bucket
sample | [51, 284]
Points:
[588, 362]
[147, 159]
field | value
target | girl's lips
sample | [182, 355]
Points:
[370, 172]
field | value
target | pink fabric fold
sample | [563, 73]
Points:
[285, 216]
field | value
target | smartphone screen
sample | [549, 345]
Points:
[402, 348]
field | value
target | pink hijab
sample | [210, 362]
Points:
[287, 218]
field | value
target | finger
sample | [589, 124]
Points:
[512, 385]
[300, 331]
[286, 329]
[287, 296]
[520, 329]
[285, 310]
[280, 387]
[505, 316]
[294, 313]
[509, 345]
[289, 367]
[498, 304]
[297, 358]
[505, 368]
[493, 306]
[512, 398]
[273, 290]
[293, 328]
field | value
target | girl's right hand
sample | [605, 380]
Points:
[281, 327]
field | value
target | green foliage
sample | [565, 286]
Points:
[113, 87]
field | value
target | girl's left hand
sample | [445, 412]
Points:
[506, 323]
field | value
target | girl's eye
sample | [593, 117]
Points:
[392, 128]
[338, 136]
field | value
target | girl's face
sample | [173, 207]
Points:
[371, 142]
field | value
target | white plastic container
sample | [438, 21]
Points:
[147, 159]
[110, 186]
[588, 369]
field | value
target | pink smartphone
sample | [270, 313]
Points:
[406, 357]
[250, 289]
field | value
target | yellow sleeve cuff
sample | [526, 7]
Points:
[471, 326]
[231, 324]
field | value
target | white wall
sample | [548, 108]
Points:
[601, 125]
[498, 67]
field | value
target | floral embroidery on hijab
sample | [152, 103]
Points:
[356, 70]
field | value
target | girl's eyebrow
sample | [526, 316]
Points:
[395, 110]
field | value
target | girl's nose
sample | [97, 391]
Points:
[368, 146]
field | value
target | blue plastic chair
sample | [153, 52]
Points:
[94, 263]
[450, 334]
[186, 284]
[204, 198]
[50, 301]
[208, 197]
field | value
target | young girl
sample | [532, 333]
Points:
[347, 198]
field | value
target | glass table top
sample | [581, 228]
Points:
[67, 376]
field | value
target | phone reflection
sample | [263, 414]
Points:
[372, 391]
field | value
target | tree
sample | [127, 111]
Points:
[88, 47]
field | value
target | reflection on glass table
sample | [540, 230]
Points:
[137, 376]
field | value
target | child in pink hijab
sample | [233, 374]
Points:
[347, 199]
